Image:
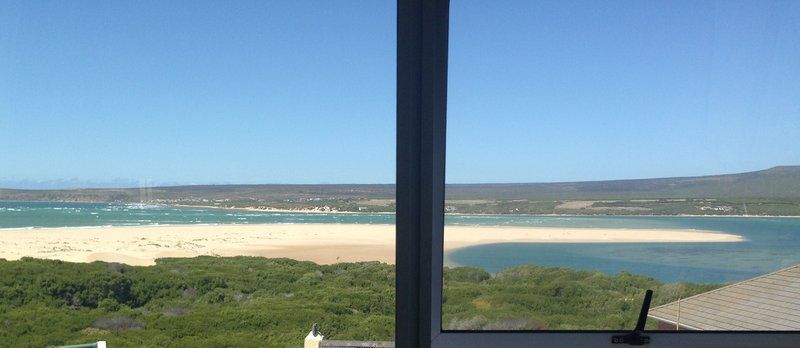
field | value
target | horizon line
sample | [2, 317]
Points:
[366, 184]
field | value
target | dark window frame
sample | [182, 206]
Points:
[422, 44]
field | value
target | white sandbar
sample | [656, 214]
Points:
[320, 243]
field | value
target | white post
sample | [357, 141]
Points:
[313, 338]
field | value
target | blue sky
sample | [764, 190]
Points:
[110, 93]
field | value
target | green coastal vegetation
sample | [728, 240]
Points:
[256, 302]
[774, 191]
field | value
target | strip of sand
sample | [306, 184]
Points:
[320, 243]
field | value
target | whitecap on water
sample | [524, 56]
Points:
[142, 206]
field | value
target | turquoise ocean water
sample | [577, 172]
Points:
[771, 243]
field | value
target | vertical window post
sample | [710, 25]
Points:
[422, 27]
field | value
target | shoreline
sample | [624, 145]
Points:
[320, 243]
[275, 210]
[312, 211]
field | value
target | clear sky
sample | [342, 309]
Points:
[120, 93]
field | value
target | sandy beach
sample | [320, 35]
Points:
[321, 243]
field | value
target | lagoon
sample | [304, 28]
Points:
[770, 243]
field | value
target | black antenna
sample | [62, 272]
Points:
[635, 337]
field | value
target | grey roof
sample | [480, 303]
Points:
[765, 303]
[356, 344]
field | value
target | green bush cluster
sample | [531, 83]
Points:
[196, 302]
[535, 297]
[258, 302]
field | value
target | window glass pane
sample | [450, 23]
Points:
[206, 153]
[599, 149]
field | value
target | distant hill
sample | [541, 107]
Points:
[777, 182]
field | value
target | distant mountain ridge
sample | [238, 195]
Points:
[776, 182]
